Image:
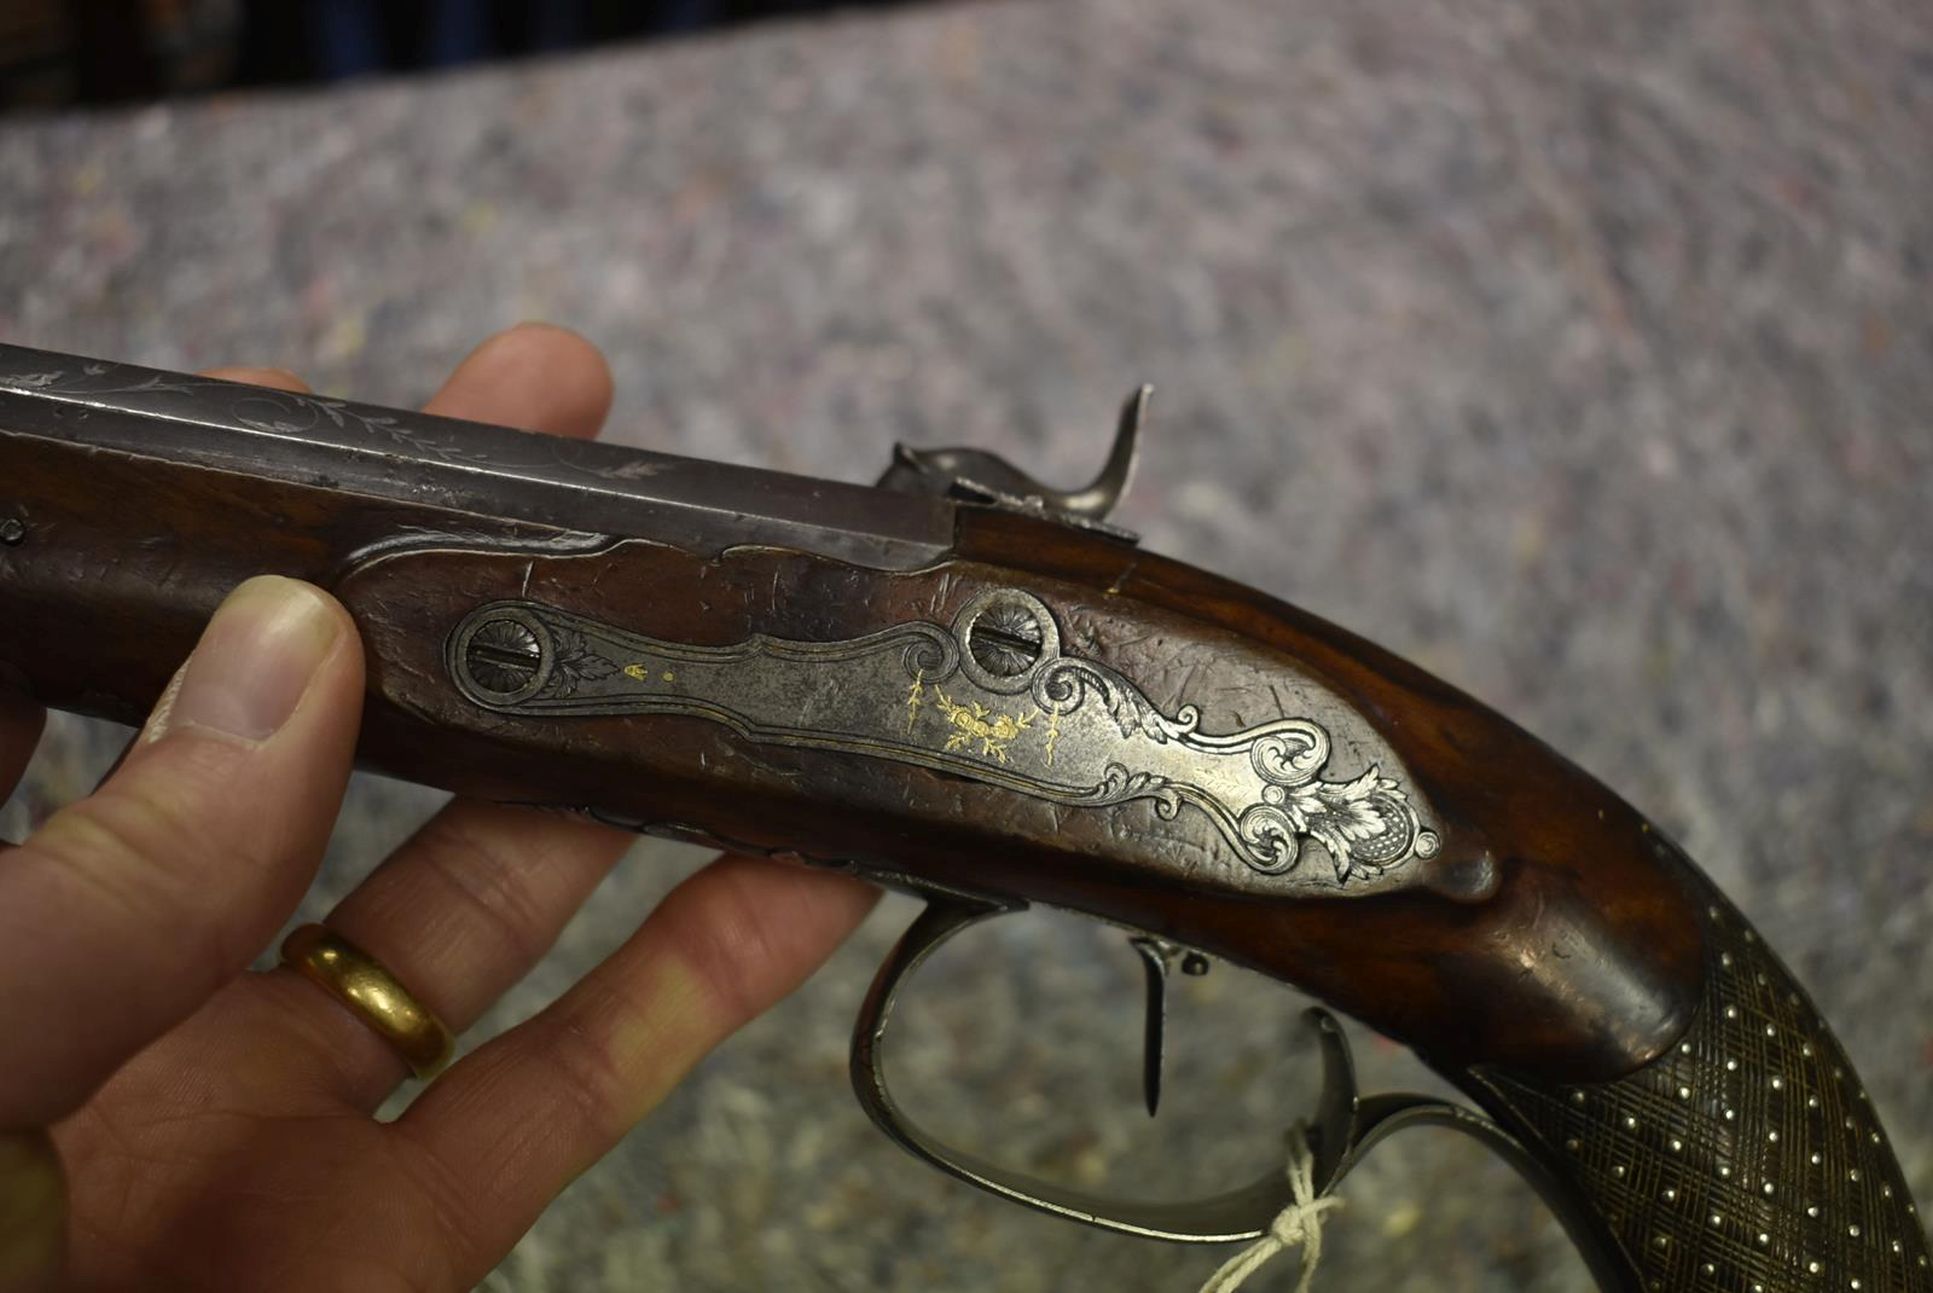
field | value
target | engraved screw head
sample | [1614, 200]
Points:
[12, 531]
[502, 656]
[1005, 640]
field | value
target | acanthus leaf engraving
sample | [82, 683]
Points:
[1062, 728]
[578, 663]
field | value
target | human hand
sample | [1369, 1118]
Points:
[170, 1121]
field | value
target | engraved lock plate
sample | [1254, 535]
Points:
[993, 697]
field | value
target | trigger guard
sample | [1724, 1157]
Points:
[1240, 1214]
[1345, 1128]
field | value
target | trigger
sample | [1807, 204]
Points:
[1157, 958]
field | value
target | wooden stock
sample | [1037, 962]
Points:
[1558, 965]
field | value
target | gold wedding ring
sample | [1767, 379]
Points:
[373, 995]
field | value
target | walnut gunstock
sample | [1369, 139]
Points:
[971, 697]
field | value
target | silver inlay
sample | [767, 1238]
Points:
[994, 697]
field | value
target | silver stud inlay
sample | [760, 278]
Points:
[1764, 1226]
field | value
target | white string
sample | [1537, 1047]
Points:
[1298, 1224]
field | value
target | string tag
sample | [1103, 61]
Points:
[1299, 1224]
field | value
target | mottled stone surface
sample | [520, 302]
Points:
[1582, 352]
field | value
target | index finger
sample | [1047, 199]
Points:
[536, 377]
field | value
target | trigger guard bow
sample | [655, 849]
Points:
[1346, 1125]
[1239, 1214]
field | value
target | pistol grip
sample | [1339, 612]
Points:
[1745, 1157]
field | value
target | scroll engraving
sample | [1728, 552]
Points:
[259, 407]
[990, 697]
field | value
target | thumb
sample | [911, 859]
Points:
[128, 909]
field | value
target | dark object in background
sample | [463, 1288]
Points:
[103, 51]
[55, 52]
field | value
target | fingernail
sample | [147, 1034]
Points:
[253, 663]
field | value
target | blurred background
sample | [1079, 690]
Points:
[1580, 351]
[107, 51]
